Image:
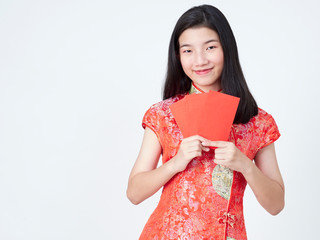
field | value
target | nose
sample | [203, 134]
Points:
[200, 59]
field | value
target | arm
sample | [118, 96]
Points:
[265, 180]
[263, 177]
[145, 178]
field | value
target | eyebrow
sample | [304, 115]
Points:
[209, 41]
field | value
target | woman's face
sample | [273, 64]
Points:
[201, 57]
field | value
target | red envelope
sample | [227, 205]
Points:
[209, 115]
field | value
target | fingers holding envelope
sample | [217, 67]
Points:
[190, 148]
[228, 155]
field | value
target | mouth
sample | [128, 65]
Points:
[203, 71]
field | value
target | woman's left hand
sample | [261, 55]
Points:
[228, 155]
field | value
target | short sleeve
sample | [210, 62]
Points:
[270, 132]
[151, 120]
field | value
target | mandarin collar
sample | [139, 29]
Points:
[194, 89]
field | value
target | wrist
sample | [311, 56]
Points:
[248, 167]
[172, 166]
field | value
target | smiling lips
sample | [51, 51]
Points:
[203, 71]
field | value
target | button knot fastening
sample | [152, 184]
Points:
[226, 218]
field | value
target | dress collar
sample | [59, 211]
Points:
[195, 89]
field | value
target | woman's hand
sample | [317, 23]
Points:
[190, 148]
[263, 177]
[228, 155]
[146, 178]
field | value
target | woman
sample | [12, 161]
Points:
[202, 188]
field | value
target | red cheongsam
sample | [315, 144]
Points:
[205, 200]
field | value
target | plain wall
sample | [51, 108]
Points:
[76, 78]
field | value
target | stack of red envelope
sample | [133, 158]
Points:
[209, 115]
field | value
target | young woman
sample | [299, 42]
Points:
[203, 188]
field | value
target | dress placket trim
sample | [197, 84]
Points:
[229, 218]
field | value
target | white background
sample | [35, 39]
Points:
[76, 78]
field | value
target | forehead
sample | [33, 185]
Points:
[198, 35]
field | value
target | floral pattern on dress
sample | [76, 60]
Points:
[191, 205]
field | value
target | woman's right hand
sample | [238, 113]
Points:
[189, 148]
[146, 178]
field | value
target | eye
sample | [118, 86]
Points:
[187, 51]
[211, 47]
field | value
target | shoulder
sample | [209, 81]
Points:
[265, 123]
[259, 123]
[262, 117]
[259, 132]
[159, 113]
[163, 107]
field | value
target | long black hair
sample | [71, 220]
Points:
[232, 78]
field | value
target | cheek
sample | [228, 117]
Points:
[219, 59]
[186, 64]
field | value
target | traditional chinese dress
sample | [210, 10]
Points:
[205, 200]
